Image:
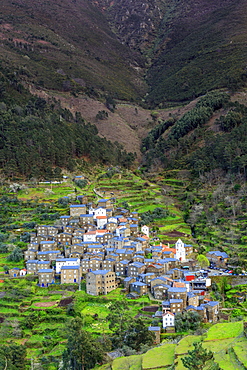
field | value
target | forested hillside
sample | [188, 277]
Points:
[39, 138]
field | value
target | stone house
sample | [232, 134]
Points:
[48, 245]
[138, 287]
[212, 311]
[77, 209]
[188, 250]
[156, 331]
[79, 233]
[127, 281]
[157, 269]
[192, 299]
[64, 238]
[176, 305]
[95, 264]
[78, 247]
[95, 248]
[146, 278]
[217, 258]
[161, 280]
[136, 268]
[76, 240]
[74, 222]
[111, 226]
[42, 230]
[103, 238]
[133, 229]
[86, 218]
[30, 254]
[75, 255]
[39, 238]
[108, 264]
[105, 203]
[41, 265]
[83, 199]
[121, 267]
[121, 253]
[48, 255]
[14, 272]
[199, 309]
[46, 277]
[70, 274]
[64, 220]
[159, 291]
[100, 282]
[138, 258]
[117, 242]
[85, 265]
[178, 293]
[68, 229]
[31, 266]
[32, 245]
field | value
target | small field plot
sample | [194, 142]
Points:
[179, 365]
[219, 346]
[57, 350]
[225, 330]
[159, 357]
[240, 350]
[186, 344]
[99, 309]
[128, 363]
[227, 361]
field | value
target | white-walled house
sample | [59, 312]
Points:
[100, 211]
[145, 230]
[180, 251]
[66, 262]
[168, 319]
[101, 221]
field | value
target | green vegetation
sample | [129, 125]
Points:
[197, 52]
[39, 140]
[159, 357]
[75, 57]
[225, 330]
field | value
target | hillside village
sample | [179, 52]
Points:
[106, 246]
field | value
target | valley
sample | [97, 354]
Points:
[35, 316]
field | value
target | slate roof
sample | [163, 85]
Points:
[70, 268]
[177, 290]
[176, 300]
[46, 270]
[100, 272]
[219, 254]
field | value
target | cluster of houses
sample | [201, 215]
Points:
[107, 247]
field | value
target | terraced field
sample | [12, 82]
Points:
[225, 340]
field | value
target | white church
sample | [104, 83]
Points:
[180, 251]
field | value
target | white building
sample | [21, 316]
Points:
[168, 319]
[66, 262]
[100, 211]
[145, 230]
[180, 251]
